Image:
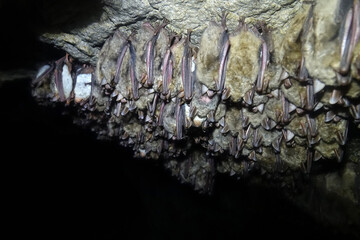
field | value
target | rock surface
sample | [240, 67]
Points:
[84, 42]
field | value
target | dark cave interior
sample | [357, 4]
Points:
[60, 182]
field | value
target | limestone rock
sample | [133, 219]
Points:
[84, 41]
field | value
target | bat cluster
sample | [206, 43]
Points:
[243, 101]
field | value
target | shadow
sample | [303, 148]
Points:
[62, 183]
[66, 15]
[23, 21]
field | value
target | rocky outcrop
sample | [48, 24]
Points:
[84, 42]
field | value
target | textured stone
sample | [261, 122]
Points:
[84, 42]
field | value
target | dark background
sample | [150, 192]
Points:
[58, 181]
